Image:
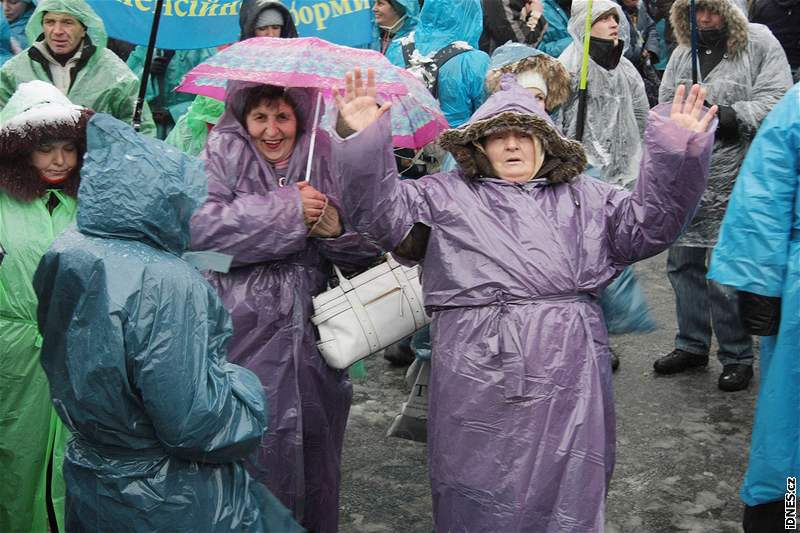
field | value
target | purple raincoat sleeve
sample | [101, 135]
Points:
[350, 249]
[672, 178]
[253, 228]
[374, 199]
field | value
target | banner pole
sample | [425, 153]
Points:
[151, 46]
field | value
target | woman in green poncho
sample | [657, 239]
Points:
[42, 140]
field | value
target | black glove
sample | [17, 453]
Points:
[728, 128]
[159, 65]
[761, 315]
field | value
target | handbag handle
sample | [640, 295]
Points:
[345, 283]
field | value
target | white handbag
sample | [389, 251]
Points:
[368, 312]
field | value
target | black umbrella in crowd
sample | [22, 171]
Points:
[151, 46]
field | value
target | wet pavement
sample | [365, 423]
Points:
[681, 443]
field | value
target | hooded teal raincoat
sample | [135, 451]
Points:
[135, 352]
[392, 49]
[442, 22]
[759, 251]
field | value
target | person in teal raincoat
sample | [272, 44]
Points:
[758, 253]
[5, 42]
[441, 23]
[557, 37]
[91, 75]
[42, 139]
[168, 67]
[394, 20]
[17, 13]
[135, 350]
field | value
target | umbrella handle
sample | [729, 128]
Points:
[313, 137]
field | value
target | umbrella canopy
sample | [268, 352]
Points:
[312, 62]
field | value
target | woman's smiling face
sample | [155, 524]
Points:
[273, 129]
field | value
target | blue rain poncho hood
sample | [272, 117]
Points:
[442, 22]
[134, 195]
[410, 14]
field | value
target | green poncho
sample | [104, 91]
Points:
[105, 84]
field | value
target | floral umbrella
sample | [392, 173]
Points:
[311, 62]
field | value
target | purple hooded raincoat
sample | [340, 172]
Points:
[521, 428]
[276, 270]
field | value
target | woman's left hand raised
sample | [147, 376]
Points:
[688, 113]
[358, 108]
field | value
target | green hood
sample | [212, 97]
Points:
[75, 8]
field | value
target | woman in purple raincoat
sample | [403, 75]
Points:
[521, 427]
[282, 234]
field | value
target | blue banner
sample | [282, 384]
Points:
[189, 24]
[345, 22]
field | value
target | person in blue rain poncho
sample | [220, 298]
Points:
[6, 52]
[758, 253]
[556, 38]
[18, 13]
[135, 353]
[394, 19]
[460, 80]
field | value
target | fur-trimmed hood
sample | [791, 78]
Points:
[36, 113]
[514, 58]
[734, 20]
[512, 107]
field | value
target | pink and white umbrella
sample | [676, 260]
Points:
[311, 62]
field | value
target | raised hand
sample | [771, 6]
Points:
[313, 203]
[688, 113]
[358, 108]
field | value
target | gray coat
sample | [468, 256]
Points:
[751, 78]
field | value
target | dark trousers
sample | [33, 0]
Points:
[764, 518]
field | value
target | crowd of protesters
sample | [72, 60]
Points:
[139, 394]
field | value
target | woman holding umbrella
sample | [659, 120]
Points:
[521, 427]
[283, 233]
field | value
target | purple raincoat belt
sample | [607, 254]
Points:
[510, 346]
